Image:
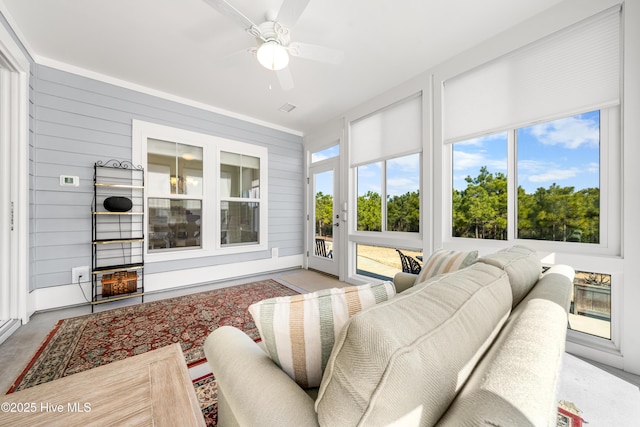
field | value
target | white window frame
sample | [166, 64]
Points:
[210, 227]
[610, 196]
[604, 257]
[384, 183]
[237, 199]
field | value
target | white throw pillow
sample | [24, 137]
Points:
[299, 331]
[445, 261]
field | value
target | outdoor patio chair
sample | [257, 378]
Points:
[321, 249]
[409, 264]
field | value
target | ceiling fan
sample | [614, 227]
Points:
[273, 38]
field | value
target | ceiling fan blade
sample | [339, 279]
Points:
[316, 53]
[290, 11]
[232, 13]
[285, 78]
[234, 58]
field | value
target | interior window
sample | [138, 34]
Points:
[174, 182]
[239, 198]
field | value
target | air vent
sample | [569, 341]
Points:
[287, 108]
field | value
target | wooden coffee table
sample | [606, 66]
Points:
[152, 388]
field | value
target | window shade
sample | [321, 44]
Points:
[571, 71]
[393, 131]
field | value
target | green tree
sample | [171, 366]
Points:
[403, 212]
[555, 213]
[324, 214]
[481, 208]
[370, 212]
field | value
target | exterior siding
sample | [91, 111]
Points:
[78, 121]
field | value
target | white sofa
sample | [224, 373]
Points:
[479, 346]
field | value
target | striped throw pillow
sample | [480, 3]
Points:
[445, 261]
[299, 331]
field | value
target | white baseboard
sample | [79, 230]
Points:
[70, 295]
[215, 273]
[8, 328]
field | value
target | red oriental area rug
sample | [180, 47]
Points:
[85, 342]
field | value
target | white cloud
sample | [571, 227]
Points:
[531, 166]
[398, 186]
[402, 182]
[465, 160]
[371, 187]
[593, 168]
[554, 175]
[570, 132]
[370, 170]
[406, 163]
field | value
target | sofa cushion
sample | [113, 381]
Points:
[406, 359]
[521, 264]
[445, 261]
[299, 331]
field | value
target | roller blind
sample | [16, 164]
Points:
[391, 132]
[571, 71]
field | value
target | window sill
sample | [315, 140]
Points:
[180, 254]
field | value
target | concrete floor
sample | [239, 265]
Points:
[606, 396]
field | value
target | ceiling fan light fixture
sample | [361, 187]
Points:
[272, 55]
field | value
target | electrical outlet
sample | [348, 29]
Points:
[80, 274]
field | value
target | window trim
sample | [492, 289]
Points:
[235, 199]
[605, 257]
[610, 199]
[384, 183]
[212, 146]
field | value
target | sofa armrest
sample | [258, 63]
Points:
[562, 269]
[255, 390]
[403, 281]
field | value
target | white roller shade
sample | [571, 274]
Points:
[390, 132]
[571, 71]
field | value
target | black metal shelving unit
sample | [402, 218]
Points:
[117, 237]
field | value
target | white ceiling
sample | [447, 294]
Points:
[182, 47]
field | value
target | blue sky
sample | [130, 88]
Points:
[403, 176]
[564, 151]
